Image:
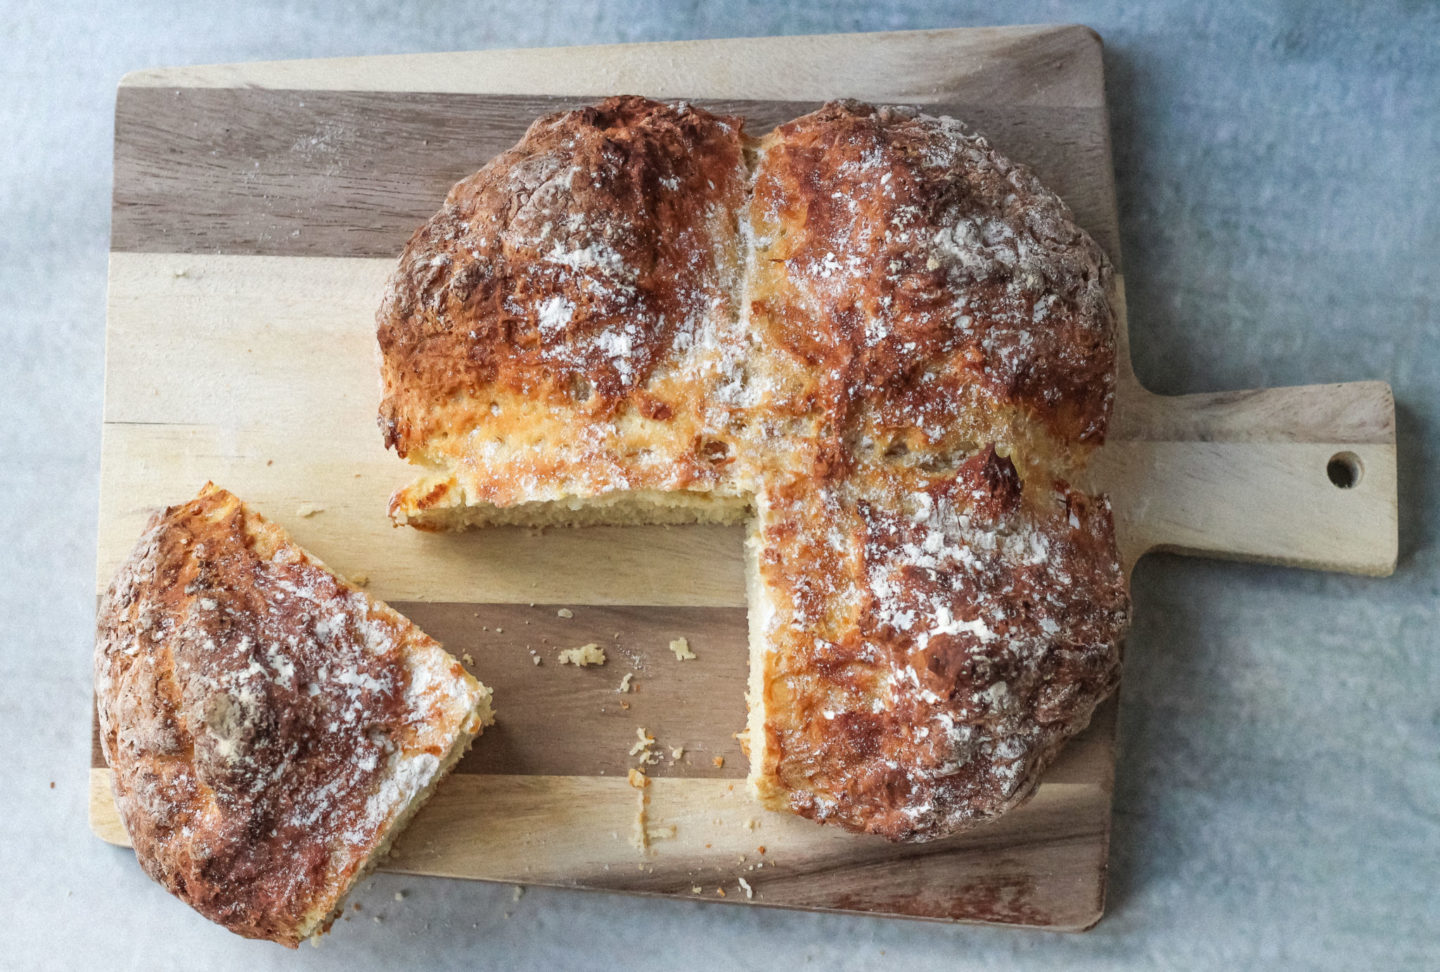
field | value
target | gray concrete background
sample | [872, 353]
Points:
[1278, 797]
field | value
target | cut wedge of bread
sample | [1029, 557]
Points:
[270, 727]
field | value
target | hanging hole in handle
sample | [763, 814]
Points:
[1345, 470]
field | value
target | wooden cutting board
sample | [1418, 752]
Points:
[258, 209]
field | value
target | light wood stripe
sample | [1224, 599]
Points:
[1030, 65]
[1042, 864]
[345, 173]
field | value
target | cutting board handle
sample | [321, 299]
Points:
[1303, 476]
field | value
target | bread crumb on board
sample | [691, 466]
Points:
[719, 761]
[565, 613]
[749, 891]
[642, 748]
[638, 779]
[591, 654]
[360, 580]
[681, 648]
[625, 683]
[309, 509]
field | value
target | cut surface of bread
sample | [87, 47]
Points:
[906, 354]
[270, 727]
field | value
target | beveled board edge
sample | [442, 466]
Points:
[1040, 64]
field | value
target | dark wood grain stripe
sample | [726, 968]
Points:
[351, 174]
[559, 720]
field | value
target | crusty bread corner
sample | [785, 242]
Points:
[270, 727]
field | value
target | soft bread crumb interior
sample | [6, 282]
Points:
[620, 508]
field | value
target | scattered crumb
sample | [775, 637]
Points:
[623, 705]
[751, 823]
[52, 784]
[537, 659]
[749, 891]
[677, 752]
[356, 906]
[518, 894]
[399, 895]
[309, 509]
[376, 919]
[638, 779]
[269, 462]
[720, 892]
[643, 746]
[625, 682]
[565, 613]
[719, 761]
[761, 848]
[183, 272]
[591, 654]
[665, 832]
[467, 658]
[360, 580]
[696, 889]
[499, 630]
[681, 648]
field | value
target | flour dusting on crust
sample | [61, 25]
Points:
[890, 342]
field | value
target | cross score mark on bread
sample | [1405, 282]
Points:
[884, 344]
[270, 727]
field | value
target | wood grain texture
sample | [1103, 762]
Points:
[347, 173]
[1055, 65]
[1035, 866]
[258, 209]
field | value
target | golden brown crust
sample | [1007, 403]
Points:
[939, 621]
[265, 721]
[933, 293]
[566, 302]
[923, 356]
[932, 640]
